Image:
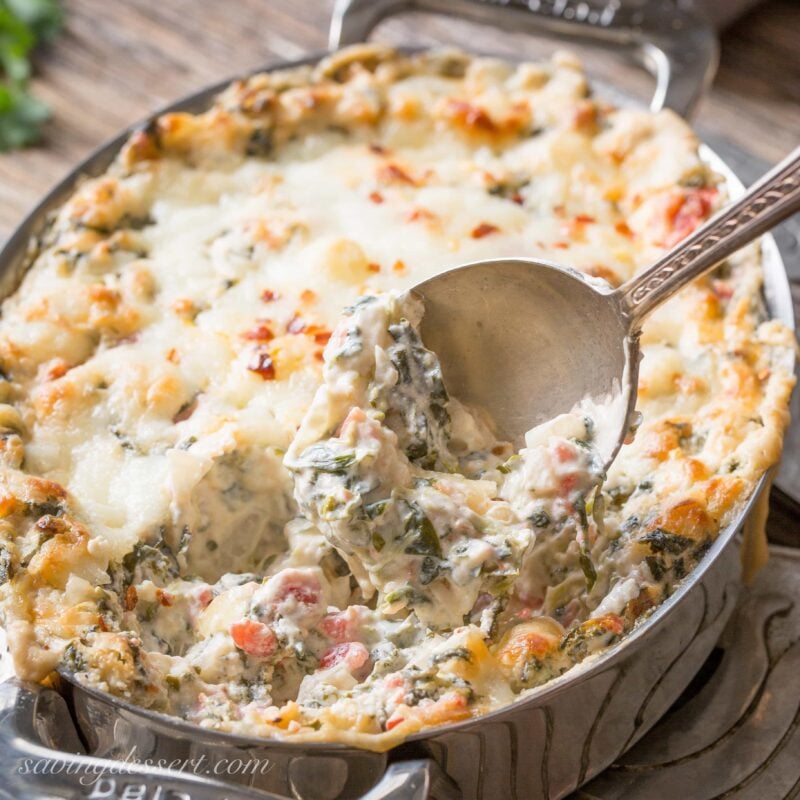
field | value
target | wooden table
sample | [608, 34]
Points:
[116, 62]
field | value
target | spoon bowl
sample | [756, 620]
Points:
[513, 336]
[527, 340]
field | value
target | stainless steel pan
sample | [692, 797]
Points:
[80, 742]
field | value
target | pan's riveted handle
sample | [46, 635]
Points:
[31, 714]
[676, 45]
[420, 779]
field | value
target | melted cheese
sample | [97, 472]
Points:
[167, 340]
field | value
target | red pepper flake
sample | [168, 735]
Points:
[378, 149]
[185, 411]
[561, 245]
[307, 296]
[623, 229]
[58, 369]
[295, 324]
[399, 266]
[373, 267]
[393, 173]
[722, 289]
[268, 295]
[484, 229]
[376, 197]
[517, 198]
[321, 335]
[584, 219]
[420, 214]
[471, 116]
[165, 598]
[318, 355]
[262, 365]
[687, 212]
[261, 333]
[131, 598]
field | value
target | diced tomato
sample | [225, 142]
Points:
[354, 417]
[254, 638]
[304, 588]
[688, 212]
[395, 685]
[568, 483]
[341, 626]
[164, 597]
[352, 654]
[564, 452]
[131, 598]
[394, 681]
[394, 721]
[204, 596]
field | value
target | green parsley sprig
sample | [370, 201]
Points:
[23, 24]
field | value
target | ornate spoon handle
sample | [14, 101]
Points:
[768, 202]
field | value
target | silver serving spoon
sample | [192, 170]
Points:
[527, 340]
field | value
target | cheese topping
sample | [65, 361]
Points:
[226, 499]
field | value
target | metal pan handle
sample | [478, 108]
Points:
[31, 714]
[42, 758]
[674, 44]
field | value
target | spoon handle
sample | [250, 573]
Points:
[768, 202]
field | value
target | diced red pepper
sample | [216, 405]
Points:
[352, 654]
[268, 295]
[261, 332]
[484, 229]
[254, 638]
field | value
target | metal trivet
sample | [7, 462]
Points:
[735, 732]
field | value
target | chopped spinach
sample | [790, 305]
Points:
[323, 459]
[6, 565]
[540, 518]
[663, 541]
[424, 541]
[588, 569]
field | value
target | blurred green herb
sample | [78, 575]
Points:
[23, 24]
